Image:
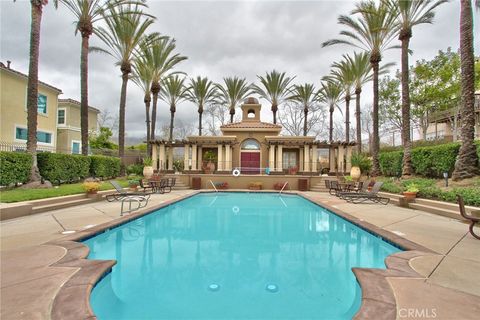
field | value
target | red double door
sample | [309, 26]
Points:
[250, 162]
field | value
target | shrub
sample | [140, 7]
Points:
[147, 162]
[433, 161]
[391, 163]
[104, 167]
[91, 187]
[362, 161]
[136, 169]
[390, 186]
[57, 167]
[14, 167]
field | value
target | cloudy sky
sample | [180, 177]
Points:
[220, 38]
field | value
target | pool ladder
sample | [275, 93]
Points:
[284, 185]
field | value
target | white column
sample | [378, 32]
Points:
[279, 158]
[332, 159]
[199, 159]
[194, 157]
[349, 158]
[271, 157]
[340, 158]
[228, 157]
[220, 157]
[314, 158]
[306, 158]
[300, 159]
[186, 157]
[162, 157]
[155, 156]
[170, 158]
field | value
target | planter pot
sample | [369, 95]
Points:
[133, 188]
[209, 167]
[148, 172]
[410, 196]
[355, 173]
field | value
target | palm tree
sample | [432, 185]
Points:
[87, 13]
[32, 86]
[362, 73]
[467, 164]
[201, 92]
[235, 90]
[142, 77]
[173, 92]
[159, 54]
[307, 96]
[372, 32]
[125, 29]
[275, 89]
[331, 93]
[411, 13]
[342, 73]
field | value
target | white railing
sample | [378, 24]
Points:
[284, 185]
[213, 185]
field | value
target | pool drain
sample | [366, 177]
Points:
[271, 288]
[214, 287]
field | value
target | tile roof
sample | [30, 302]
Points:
[77, 103]
[251, 125]
[2, 66]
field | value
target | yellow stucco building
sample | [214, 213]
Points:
[58, 126]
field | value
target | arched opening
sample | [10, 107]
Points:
[250, 156]
[251, 114]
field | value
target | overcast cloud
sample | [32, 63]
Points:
[220, 38]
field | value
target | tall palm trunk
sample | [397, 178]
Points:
[84, 93]
[172, 116]
[200, 114]
[305, 111]
[347, 118]
[375, 60]
[358, 92]
[467, 164]
[32, 89]
[330, 129]
[155, 90]
[405, 36]
[232, 113]
[274, 111]
[147, 100]
[126, 68]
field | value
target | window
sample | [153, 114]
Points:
[289, 159]
[42, 104]
[61, 116]
[250, 144]
[75, 147]
[44, 137]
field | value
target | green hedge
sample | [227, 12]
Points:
[104, 167]
[391, 163]
[58, 167]
[14, 167]
[136, 169]
[426, 161]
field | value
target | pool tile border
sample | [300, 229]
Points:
[378, 300]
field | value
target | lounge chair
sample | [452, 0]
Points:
[121, 194]
[359, 189]
[360, 197]
[473, 220]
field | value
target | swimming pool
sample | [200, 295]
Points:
[234, 256]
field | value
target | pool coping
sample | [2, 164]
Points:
[72, 301]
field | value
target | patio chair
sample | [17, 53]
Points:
[360, 197]
[473, 220]
[145, 185]
[121, 194]
[360, 188]
[170, 184]
[334, 187]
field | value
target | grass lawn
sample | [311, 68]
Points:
[16, 195]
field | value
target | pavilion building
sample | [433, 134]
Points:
[255, 148]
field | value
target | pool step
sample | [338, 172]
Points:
[454, 214]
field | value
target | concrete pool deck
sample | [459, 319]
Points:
[448, 286]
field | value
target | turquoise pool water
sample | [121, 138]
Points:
[235, 256]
